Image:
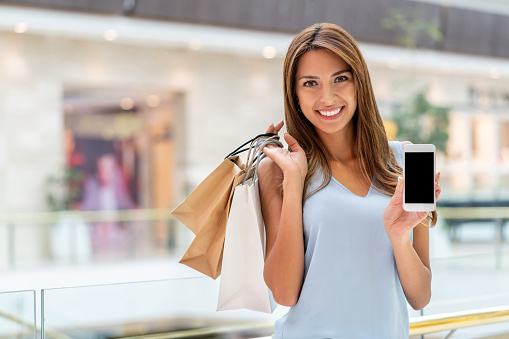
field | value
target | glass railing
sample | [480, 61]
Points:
[122, 310]
[75, 237]
[471, 282]
[187, 307]
[467, 282]
[18, 315]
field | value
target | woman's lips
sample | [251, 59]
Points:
[330, 113]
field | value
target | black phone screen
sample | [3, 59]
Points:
[419, 177]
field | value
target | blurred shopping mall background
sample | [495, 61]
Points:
[125, 106]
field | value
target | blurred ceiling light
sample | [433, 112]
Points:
[127, 103]
[153, 100]
[269, 52]
[110, 35]
[195, 44]
[21, 27]
[494, 73]
[393, 63]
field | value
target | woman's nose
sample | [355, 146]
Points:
[328, 95]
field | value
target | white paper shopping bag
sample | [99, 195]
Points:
[242, 284]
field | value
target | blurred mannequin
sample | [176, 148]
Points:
[107, 191]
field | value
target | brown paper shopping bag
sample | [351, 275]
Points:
[205, 213]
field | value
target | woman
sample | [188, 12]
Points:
[341, 251]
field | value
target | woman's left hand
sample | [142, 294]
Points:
[398, 222]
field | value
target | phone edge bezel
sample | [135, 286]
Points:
[415, 148]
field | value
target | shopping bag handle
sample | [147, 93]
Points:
[253, 163]
[239, 149]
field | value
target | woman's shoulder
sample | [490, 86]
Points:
[398, 145]
[397, 149]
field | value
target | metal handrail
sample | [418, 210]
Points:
[87, 216]
[473, 212]
[452, 321]
[418, 325]
[164, 213]
[210, 332]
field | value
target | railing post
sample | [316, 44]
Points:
[498, 242]
[43, 331]
[35, 314]
[11, 245]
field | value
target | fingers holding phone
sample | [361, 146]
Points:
[438, 190]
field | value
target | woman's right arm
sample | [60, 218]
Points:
[284, 260]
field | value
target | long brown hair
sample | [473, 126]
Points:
[377, 162]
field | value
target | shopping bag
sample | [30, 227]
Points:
[205, 213]
[242, 284]
[206, 203]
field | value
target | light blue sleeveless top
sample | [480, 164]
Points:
[351, 286]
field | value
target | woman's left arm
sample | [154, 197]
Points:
[413, 267]
[412, 261]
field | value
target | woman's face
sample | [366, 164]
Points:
[326, 92]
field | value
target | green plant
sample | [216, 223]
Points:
[64, 189]
[421, 122]
[410, 26]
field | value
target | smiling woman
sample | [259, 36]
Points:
[341, 251]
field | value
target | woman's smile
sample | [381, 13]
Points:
[330, 114]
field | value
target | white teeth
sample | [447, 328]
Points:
[331, 113]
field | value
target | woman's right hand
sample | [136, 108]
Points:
[291, 163]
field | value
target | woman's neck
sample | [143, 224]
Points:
[339, 147]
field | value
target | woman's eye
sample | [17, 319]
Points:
[309, 83]
[341, 78]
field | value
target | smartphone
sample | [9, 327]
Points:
[419, 175]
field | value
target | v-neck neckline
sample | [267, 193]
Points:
[358, 196]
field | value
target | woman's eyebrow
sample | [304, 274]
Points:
[340, 72]
[308, 77]
[333, 75]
